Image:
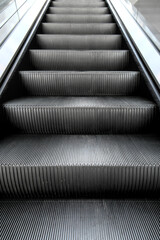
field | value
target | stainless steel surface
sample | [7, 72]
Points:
[144, 45]
[147, 14]
[6, 11]
[10, 14]
[12, 44]
[4, 4]
[7, 28]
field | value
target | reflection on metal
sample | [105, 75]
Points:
[4, 4]
[7, 28]
[6, 12]
[147, 14]
[12, 44]
[146, 48]
[11, 13]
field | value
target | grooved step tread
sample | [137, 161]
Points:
[80, 150]
[74, 10]
[79, 1]
[75, 18]
[76, 42]
[80, 219]
[80, 83]
[80, 165]
[79, 28]
[78, 5]
[90, 60]
[81, 114]
[88, 102]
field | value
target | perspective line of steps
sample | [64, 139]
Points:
[79, 123]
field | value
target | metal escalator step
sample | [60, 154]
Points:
[81, 115]
[80, 219]
[100, 10]
[74, 18]
[78, 1]
[78, 5]
[76, 42]
[79, 28]
[70, 60]
[66, 166]
[49, 83]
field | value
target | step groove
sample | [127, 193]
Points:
[80, 165]
[79, 28]
[72, 115]
[74, 18]
[40, 83]
[99, 10]
[93, 60]
[78, 5]
[76, 42]
[91, 219]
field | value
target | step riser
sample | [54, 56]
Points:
[79, 60]
[91, 84]
[60, 28]
[58, 120]
[82, 181]
[78, 5]
[75, 42]
[78, 1]
[78, 10]
[58, 18]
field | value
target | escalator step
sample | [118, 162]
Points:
[100, 10]
[80, 219]
[79, 1]
[93, 60]
[76, 42]
[74, 18]
[79, 28]
[49, 83]
[81, 115]
[80, 166]
[78, 5]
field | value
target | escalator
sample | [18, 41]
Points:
[80, 139]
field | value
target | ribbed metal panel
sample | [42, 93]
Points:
[78, 1]
[79, 28]
[80, 219]
[66, 115]
[84, 10]
[81, 166]
[74, 18]
[79, 181]
[78, 4]
[48, 83]
[79, 60]
[76, 42]
[80, 150]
